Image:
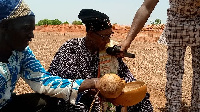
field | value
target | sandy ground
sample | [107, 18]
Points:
[148, 66]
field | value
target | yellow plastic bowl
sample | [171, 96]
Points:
[132, 93]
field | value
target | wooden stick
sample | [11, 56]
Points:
[93, 101]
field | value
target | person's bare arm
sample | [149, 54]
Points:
[139, 20]
[89, 84]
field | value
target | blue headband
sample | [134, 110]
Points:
[10, 9]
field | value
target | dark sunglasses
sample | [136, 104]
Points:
[104, 36]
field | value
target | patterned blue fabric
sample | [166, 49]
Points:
[8, 7]
[2, 85]
[25, 65]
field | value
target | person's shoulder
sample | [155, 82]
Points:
[74, 41]
[27, 51]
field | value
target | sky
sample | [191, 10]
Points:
[121, 12]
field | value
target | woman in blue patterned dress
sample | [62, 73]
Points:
[181, 30]
[17, 23]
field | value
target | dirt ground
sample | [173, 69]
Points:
[148, 66]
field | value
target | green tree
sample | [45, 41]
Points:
[49, 22]
[56, 22]
[43, 22]
[156, 22]
[77, 22]
[65, 22]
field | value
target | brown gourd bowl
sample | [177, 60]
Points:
[132, 93]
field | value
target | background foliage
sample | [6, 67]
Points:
[156, 22]
[56, 22]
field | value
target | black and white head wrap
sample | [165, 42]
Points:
[94, 20]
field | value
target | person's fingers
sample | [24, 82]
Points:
[87, 84]
[124, 45]
[122, 49]
[120, 55]
[124, 109]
